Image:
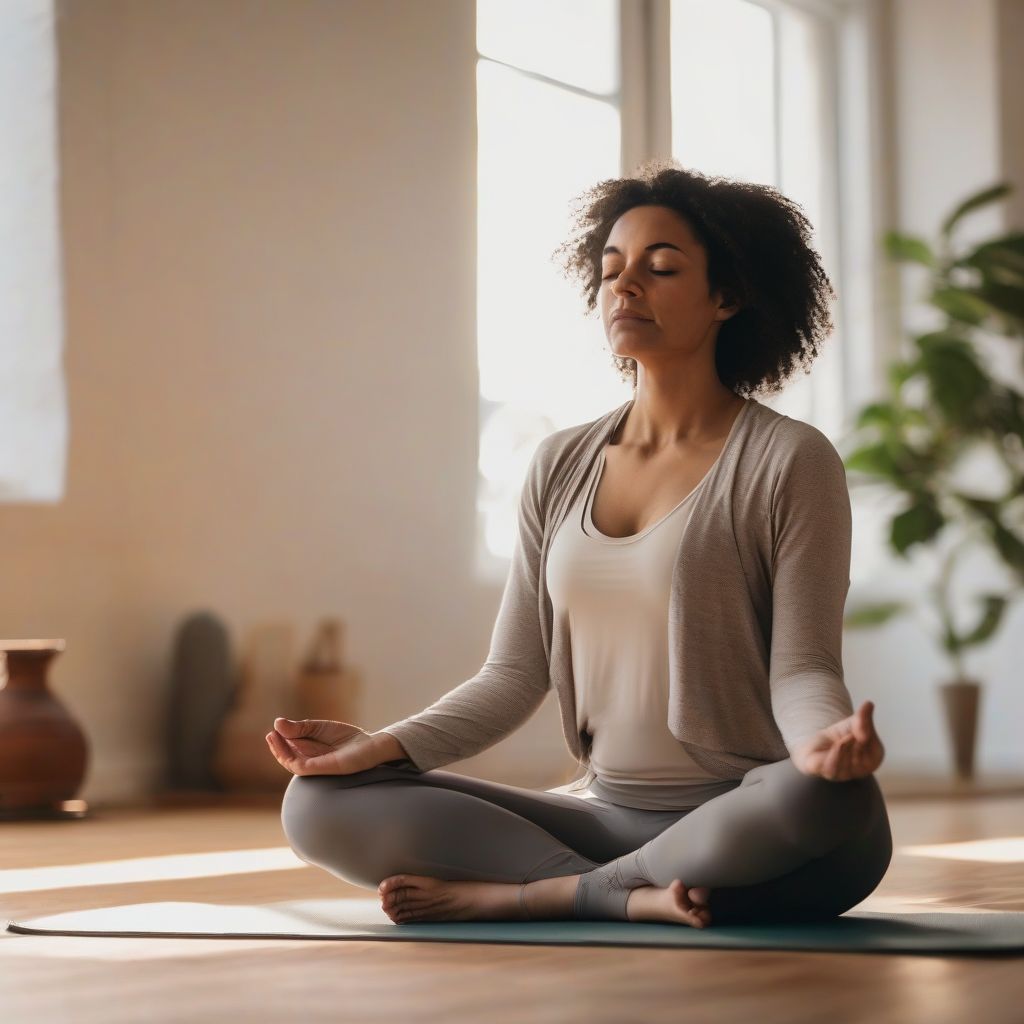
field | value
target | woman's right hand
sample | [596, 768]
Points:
[320, 747]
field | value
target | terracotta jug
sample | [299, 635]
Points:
[43, 752]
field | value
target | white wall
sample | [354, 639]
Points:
[268, 216]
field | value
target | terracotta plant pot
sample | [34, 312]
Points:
[961, 699]
[43, 752]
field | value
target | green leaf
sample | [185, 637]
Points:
[878, 414]
[961, 304]
[991, 616]
[1000, 265]
[919, 523]
[1009, 546]
[1008, 249]
[874, 460]
[1004, 297]
[985, 507]
[900, 372]
[908, 248]
[956, 380]
[974, 202]
[867, 615]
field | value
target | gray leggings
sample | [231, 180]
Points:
[780, 846]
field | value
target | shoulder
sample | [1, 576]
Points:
[804, 468]
[566, 442]
[787, 434]
[787, 442]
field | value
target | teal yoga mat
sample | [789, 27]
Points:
[363, 919]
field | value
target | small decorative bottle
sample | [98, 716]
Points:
[243, 761]
[326, 688]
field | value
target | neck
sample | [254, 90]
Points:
[660, 417]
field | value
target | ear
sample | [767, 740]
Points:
[727, 308]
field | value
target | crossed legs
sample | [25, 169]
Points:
[781, 846]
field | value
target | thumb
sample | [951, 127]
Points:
[287, 727]
[862, 723]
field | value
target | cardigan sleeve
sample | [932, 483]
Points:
[514, 680]
[812, 528]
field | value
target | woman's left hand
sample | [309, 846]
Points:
[849, 749]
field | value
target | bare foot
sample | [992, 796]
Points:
[410, 898]
[676, 903]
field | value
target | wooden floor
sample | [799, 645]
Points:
[85, 980]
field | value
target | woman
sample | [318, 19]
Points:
[679, 580]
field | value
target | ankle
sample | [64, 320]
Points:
[547, 898]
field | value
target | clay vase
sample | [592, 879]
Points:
[43, 752]
[961, 699]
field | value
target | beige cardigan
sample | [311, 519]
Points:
[758, 594]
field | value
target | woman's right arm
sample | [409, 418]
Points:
[388, 748]
[514, 679]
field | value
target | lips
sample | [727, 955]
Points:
[629, 316]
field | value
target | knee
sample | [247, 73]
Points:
[304, 817]
[347, 825]
[821, 812]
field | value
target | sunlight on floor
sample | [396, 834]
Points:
[77, 947]
[150, 869]
[1005, 850]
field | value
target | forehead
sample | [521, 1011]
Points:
[643, 224]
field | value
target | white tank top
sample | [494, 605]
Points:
[614, 592]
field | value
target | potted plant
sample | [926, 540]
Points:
[942, 405]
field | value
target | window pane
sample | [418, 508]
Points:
[573, 41]
[32, 401]
[751, 128]
[723, 122]
[807, 166]
[542, 363]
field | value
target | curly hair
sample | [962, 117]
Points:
[758, 252]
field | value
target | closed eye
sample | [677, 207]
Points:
[660, 273]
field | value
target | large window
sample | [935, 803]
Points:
[773, 125]
[574, 91]
[33, 416]
[548, 127]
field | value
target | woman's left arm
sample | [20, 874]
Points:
[812, 527]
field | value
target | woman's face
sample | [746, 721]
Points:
[653, 265]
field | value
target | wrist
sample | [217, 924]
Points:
[387, 748]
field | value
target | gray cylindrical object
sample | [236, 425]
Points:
[202, 691]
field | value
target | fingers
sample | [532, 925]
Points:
[278, 748]
[838, 762]
[863, 724]
[284, 754]
[286, 727]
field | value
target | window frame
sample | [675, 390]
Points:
[861, 193]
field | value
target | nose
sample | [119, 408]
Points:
[629, 288]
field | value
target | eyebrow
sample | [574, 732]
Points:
[649, 248]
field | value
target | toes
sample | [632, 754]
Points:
[700, 894]
[679, 891]
[698, 916]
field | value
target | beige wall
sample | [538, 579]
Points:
[268, 216]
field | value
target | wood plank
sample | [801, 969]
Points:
[85, 980]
